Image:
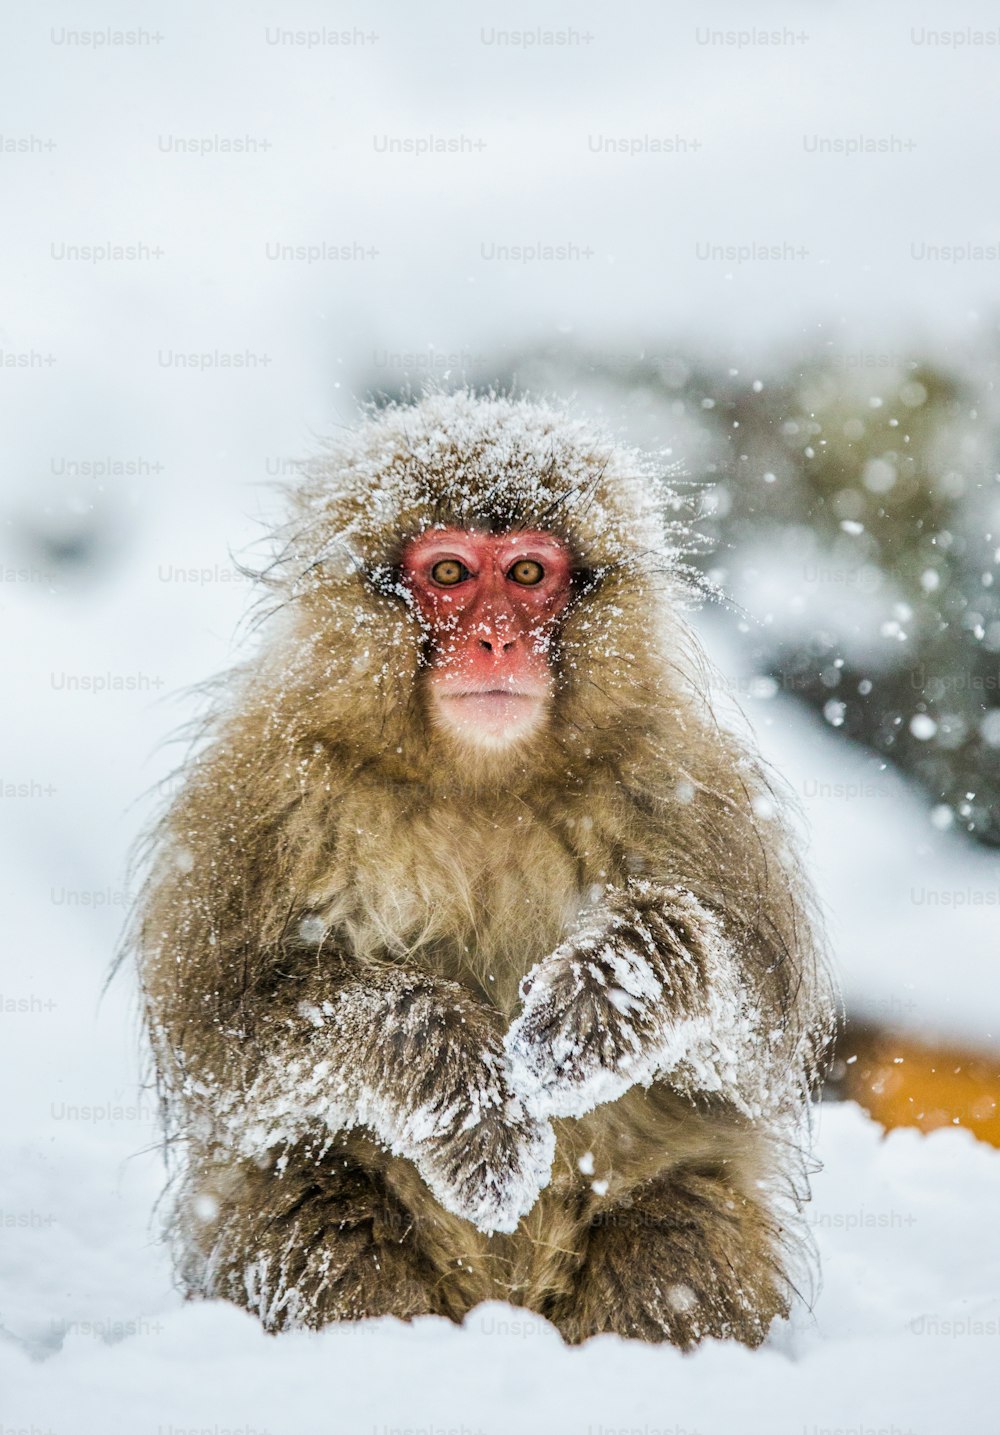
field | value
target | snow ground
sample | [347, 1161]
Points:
[901, 1338]
[903, 1335]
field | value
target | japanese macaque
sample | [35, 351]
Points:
[476, 956]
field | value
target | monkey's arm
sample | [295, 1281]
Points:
[649, 987]
[417, 1061]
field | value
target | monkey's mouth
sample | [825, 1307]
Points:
[491, 717]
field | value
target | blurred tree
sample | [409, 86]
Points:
[886, 488]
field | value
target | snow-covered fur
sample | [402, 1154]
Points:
[434, 1025]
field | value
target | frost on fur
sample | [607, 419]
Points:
[392, 1058]
[649, 987]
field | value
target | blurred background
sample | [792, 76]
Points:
[768, 249]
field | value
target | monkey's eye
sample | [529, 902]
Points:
[527, 572]
[448, 572]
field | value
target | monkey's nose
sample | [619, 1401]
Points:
[497, 645]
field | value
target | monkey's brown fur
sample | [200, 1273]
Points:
[342, 906]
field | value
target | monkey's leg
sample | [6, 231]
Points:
[309, 1239]
[684, 1257]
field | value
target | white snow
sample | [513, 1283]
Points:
[901, 1338]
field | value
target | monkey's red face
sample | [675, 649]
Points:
[491, 603]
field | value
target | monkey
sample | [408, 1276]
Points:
[476, 953]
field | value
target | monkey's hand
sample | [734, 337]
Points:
[475, 1144]
[419, 1063]
[649, 987]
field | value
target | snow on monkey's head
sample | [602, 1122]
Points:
[492, 568]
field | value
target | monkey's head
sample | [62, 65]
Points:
[477, 585]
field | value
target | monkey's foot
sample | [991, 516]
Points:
[320, 1243]
[687, 1258]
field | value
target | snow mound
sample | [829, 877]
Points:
[901, 1337]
